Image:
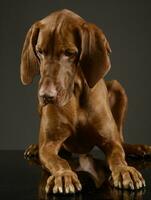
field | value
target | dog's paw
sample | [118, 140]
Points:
[63, 182]
[31, 152]
[125, 177]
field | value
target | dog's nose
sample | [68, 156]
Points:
[48, 94]
[48, 99]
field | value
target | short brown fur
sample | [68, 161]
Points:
[79, 110]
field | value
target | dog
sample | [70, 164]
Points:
[78, 108]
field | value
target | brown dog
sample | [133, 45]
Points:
[79, 110]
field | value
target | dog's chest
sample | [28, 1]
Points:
[82, 139]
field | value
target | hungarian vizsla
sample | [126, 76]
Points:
[78, 109]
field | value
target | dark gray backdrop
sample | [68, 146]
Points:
[127, 25]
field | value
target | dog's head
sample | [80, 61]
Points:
[55, 47]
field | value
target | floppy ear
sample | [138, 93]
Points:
[94, 58]
[29, 62]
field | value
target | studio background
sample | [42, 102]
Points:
[127, 25]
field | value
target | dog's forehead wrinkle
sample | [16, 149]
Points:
[54, 39]
[58, 29]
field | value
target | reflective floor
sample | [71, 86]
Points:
[21, 179]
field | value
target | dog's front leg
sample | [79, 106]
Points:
[62, 178]
[122, 175]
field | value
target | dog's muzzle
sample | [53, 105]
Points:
[48, 94]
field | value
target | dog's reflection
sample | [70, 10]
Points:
[94, 176]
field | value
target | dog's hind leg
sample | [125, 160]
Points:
[118, 102]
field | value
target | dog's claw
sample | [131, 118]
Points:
[144, 184]
[55, 189]
[80, 187]
[131, 186]
[69, 183]
[60, 189]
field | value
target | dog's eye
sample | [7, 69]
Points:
[70, 53]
